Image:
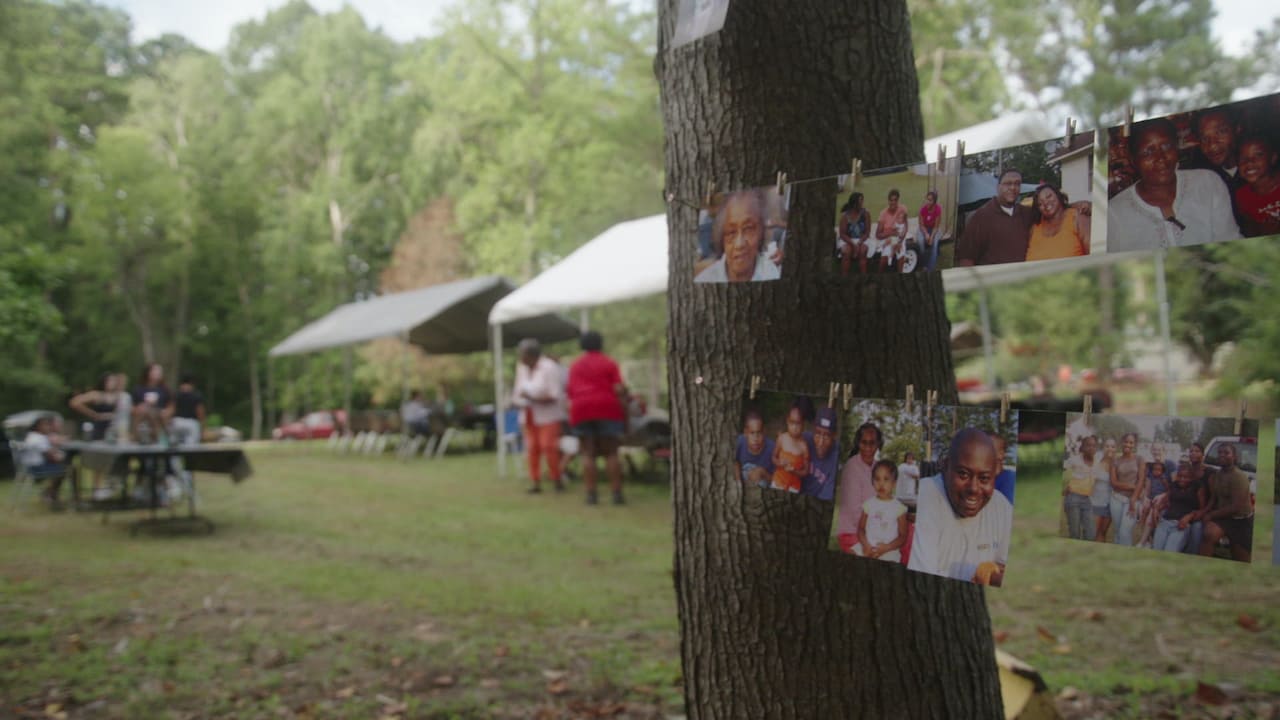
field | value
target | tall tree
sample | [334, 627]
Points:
[773, 625]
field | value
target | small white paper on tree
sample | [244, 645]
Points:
[698, 18]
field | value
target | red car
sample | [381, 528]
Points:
[316, 425]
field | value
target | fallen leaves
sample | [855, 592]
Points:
[1249, 622]
[444, 681]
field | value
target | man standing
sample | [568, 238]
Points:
[1218, 133]
[997, 232]
[962, 524]
[824, 456]
[539, 392]
[1230, 512]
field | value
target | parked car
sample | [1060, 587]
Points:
[316, 425]
[1246, 458]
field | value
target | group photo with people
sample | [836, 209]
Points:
[895, 219]
[1027, 202]
[789, 443]
[1195, 177]
[1178, 484]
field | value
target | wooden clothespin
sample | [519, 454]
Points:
[1244, 406]
[960, 152]
[782, 182]
[930, 399]
[711, 192]
[1088, 408]
[848, 395]
[832, 389]
[1071, 132]
[755, 385]
[1004, 408]
[911, 397]
[855, 169]
[942, 157]
[1128, 120]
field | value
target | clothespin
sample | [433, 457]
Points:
[1088, 408]
[832, 389]
[1128, 120]
[782, 182]
[942, 157]
[1071, 132]
[1244, 406]
[911, 396]
[954, 420]
[1004, 408]
[755, 385]
[848, 395]
[711, 191]
[855, 169]
[930, 399]
[960, 152]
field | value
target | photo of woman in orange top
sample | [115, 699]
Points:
[1060, 230]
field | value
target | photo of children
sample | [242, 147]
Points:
[788, 443]
[742, 235]
[1177, 484]
[879, 480]
[1028, 202]
[964, 521]
[1195, 177]
[698, 18]
[895, 219]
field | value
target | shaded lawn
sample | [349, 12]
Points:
[339, 586]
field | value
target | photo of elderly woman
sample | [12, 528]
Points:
[1195, 177]
[895, 219]
[742, 236]
[1026, 202]
[789, 443]
[1178, 484]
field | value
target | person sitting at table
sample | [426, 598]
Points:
[152, 405]
[188, 413]
[41, 457]
[100, 406]
[415, 415]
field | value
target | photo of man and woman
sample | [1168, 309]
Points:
[1178, 484]
[1027, 202]
[964, 516]
[789, 443]
[742, 236]
[895, 219]
[1195, 177]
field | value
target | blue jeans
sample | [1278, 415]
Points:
[1168, 537]
[928, 255]
[1080, 522]
[1124, 522]
[1195, 533]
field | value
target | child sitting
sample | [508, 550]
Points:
[791, 454]
[883, 527]
[41, 457]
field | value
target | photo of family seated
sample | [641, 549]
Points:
[1028, 202]
[1195, 177]
[933, 493]
[789, 443]
[895, 219]
[742, 236]
[1178, 484]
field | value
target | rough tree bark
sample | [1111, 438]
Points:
[772, 624]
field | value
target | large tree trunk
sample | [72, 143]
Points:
[772, 624]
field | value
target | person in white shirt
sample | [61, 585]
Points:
[1167, 207]
[539, 392]
[42, 458]
[962, 524]
[908, 478]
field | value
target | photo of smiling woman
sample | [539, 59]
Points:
[744, 234]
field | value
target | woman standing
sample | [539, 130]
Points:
[1059, 231]
[152, 405]
[1101, 497]
[595, 411]
[854, 227]
[1125, 473]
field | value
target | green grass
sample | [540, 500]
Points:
[334, 580]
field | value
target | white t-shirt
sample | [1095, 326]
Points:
[1202, 204]
[34, 446]
[882, 520]
[908, 481]
[954, 547]
[766, 269]
[546, 380]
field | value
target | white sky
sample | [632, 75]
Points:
[208, 24]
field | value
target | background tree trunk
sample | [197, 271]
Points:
[772, 624]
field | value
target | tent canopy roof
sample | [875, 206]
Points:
[626, 261]
[442, 319]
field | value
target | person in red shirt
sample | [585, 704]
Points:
[596, 413]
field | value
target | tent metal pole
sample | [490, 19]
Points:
[404, 371]
[584, 320]
[1162, 300]
[271, 400]
[499, 401]
[346, 384]
[985, 313]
